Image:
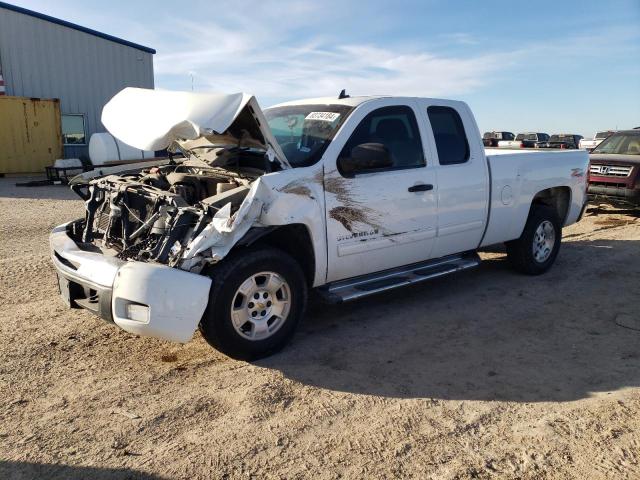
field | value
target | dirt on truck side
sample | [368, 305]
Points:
[486, 374]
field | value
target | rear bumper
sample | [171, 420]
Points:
[168, 303]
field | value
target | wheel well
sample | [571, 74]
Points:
[293, 239]
[558, 198]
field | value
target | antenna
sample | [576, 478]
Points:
[343, 94]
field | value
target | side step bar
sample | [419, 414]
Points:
[358, 287]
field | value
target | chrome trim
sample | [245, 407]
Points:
[611, 170]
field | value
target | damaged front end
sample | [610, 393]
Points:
[171, 213]
[156, 214]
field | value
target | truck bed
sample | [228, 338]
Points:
[517, 175]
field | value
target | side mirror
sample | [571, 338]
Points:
[366, 156]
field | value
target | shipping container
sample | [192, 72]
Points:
[30, 134]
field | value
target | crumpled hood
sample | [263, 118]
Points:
[154, 119]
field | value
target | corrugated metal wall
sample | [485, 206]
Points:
[47, 60]
[30, 134]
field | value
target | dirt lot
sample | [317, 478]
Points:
[488, 374]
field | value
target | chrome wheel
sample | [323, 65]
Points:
[544, 240]
[261, 306]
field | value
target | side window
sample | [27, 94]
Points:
[448, 131]
[396, 129]
[73, 132]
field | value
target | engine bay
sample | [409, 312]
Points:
[153, 213]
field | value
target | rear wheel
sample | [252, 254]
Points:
[537, 248]
[256, 301]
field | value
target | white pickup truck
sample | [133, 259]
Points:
[598, 138]
[349, 196]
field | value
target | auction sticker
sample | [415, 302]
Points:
[323, 116]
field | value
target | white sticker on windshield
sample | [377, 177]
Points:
[323, 116]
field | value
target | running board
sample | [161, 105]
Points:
[358, 287]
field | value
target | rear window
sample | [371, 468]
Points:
[448, 132]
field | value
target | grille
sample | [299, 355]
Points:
[103, 219]
[610, 170]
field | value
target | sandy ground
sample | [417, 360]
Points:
[488, 374]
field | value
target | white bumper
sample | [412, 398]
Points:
[142, 298]
[175, 300]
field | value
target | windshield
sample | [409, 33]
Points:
[620, 144]
[601, 135]
[305, 131]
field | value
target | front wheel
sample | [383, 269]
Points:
[256, 301]
[537, 248]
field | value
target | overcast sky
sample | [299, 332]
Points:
[554, 66]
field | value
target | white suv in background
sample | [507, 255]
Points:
[590, 144]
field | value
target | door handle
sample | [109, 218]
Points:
[422, 187]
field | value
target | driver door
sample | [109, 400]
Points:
[380, 218]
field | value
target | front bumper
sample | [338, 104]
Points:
[614, 191]
[168, 302]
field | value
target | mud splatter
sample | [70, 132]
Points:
[341, 188]
[347, 216]
[297, 187]
[352, 210]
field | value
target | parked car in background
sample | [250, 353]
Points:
[491, 139]
[590, 144]
[524, 140]
[614, 170]
[561, 140]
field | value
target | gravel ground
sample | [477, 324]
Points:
[487, 374]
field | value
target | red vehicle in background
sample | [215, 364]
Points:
[614, 170]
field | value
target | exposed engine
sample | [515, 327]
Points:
[151, 215]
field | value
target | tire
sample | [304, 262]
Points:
[521, 253]
[270, 323]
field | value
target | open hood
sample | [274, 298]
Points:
[154, 119]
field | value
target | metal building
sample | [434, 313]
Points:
[44, 57]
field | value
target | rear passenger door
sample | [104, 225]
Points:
[383, 218]
[463, 180]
